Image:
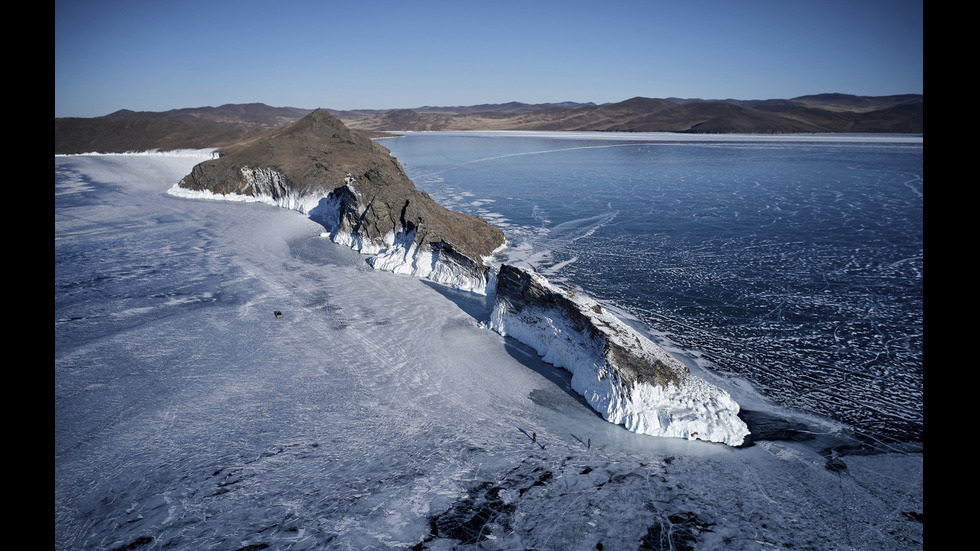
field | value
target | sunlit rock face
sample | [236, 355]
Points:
[623, 375]
[362, 196]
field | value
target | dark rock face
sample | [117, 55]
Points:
[521, 291]
[367, 192]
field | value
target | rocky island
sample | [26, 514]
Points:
[362, 196]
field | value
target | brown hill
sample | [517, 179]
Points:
[857, 104]
[140, 133]
[248, 115]
[228, 125]
[192, 128]
[808, 114]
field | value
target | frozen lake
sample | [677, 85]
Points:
[376, 413]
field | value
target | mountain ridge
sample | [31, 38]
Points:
[233, 124]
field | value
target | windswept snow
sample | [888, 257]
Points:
[691, 408]
[377, 413]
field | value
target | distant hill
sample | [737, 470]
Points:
[250, 115]
[192, 128]
[231, 124]
[807, 114]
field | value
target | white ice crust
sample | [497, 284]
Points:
[291, 201]
[693, 409]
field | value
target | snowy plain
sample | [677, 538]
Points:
[377, 413]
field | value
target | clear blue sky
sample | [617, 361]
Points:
[155, 55]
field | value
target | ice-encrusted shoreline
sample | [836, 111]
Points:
[597, 348]
[292, 202]
[623, 375]
[395, 252]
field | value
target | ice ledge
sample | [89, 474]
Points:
[623, 375]
[400, 254]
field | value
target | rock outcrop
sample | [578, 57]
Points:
[360, 193]
[623, 375]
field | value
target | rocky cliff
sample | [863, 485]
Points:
[623, 375]
[360, 193]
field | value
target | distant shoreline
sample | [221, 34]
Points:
[676, 136]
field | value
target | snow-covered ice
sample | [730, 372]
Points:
[379, 412]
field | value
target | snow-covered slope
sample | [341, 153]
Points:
[376, 413]
[622, 374]
[365, 201]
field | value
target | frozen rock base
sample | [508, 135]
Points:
[398, 252]
[623, 375]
